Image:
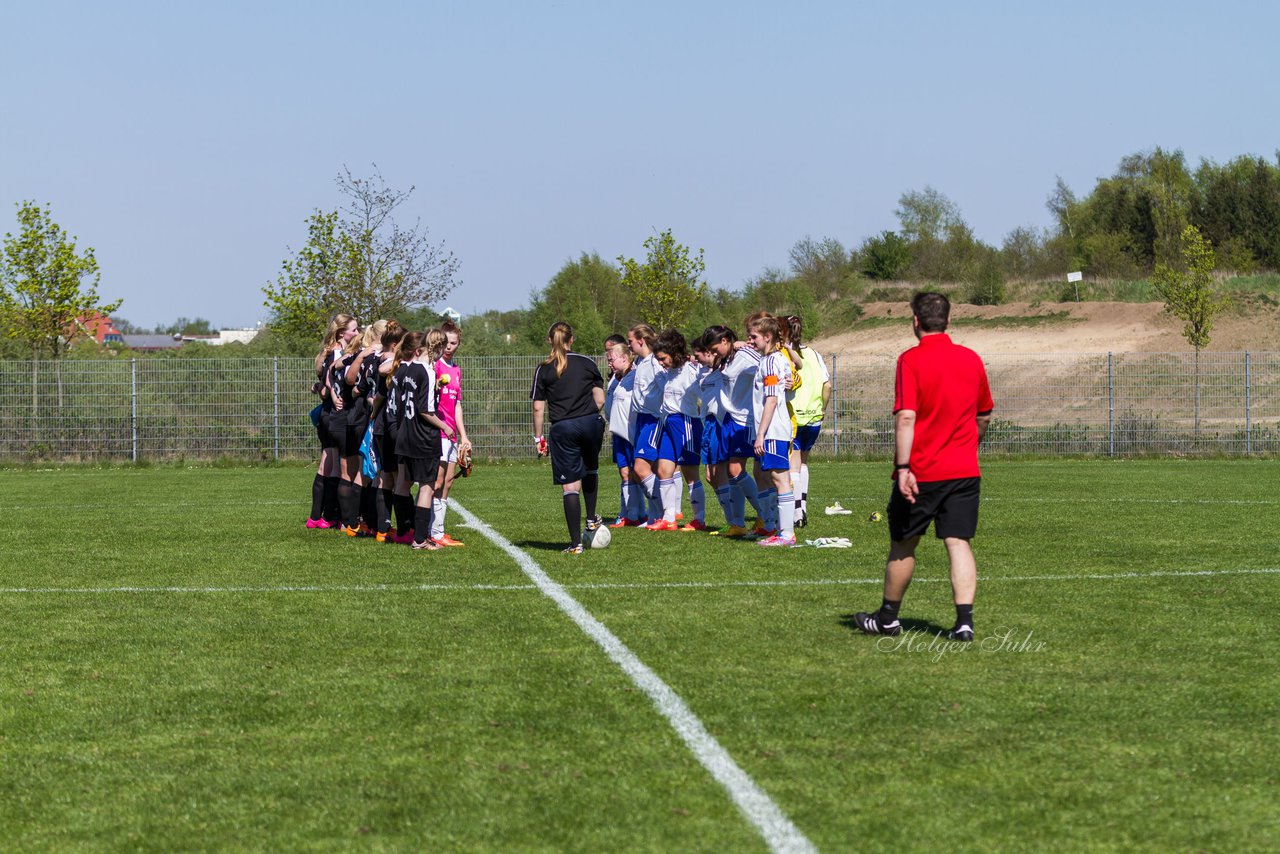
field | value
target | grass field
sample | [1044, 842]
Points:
[185, 667]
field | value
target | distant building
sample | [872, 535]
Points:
[101, 328]
[152, 343]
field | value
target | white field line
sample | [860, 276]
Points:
[778, 831]
[621, 585]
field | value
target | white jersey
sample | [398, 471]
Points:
[617, 404]
[771, 380]
[711, 385]
[646, 394]
[682, 393]
[739, 372]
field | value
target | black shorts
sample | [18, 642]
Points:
[335, 424]
[952, 505]
[422, 471]
[388, 459]
[575, 448]
[355, 435]
[322, 432]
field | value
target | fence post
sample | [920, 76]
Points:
[275, 402]
[1111, 407]
[133, 405]
[835, 409]
[1248, 421]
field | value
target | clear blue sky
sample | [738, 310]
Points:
[188, 142]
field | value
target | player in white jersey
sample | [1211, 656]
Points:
[617, 408]
[738, 366]
[681, 443]
[773, 427]
[646, 415]
[711, 384]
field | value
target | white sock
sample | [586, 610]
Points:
[786, 500]
[698, 501]
[802, 488]
[796, 510]
[438, 508]
[670, 491]
[624, 500]
[745, 484]
[655, 502]
[635, 502]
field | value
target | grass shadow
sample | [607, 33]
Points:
[915, 626]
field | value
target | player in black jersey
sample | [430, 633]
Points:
[362, 376]
[401, 497]
[324, 489]
[568, 388]
[418, 443]
[384, 441]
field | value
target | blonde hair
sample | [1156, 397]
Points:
[435, 344]
[645, 333]
[409, 345]
[561, 336]
[336, 326]
[372, 334]
[769, 327]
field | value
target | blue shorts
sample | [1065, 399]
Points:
[648, 434]
[622, 452]
[681, 440]
[735, 443]
[712, 451]
[776, 456]
[806, 437]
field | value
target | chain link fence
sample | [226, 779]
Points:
[256, 409]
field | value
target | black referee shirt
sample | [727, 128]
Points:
[568, 395]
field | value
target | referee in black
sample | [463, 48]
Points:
[568, 388]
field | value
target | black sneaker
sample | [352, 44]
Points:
[961, 633]
[803, 521]
[594, 522]
[870, 624]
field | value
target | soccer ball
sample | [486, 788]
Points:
[876, 517]
[599, 538]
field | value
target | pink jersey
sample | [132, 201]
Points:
[449, 382]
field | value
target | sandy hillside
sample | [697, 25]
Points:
[1089, 327]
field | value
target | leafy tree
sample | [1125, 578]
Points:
[926, 215]
[1189, 295]
[46, 286]
[187, 326]
[585, 293]
[886, 257]
[361, 261]
[668, 285]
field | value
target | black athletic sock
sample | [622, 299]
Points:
[888, 611]
[368, 505]
[317, 497]
[573, 517]
[348, 503]
[332, 510]
[591, 491]
[964, 615]
[421, 523]
[382, 506]
[404, 513]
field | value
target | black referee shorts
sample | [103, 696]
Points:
[951, 505]
[575, 447]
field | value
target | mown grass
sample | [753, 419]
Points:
[294, 690]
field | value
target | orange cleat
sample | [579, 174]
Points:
[446, 540]
[695, 525]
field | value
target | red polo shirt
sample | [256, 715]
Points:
[946, 385]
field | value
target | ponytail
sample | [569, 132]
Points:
[561, 337]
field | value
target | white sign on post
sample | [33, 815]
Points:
[1075, 277]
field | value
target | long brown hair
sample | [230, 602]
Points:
[336, 326]
[410, 344]
[561, 336]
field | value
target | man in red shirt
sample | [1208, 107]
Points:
[942, 405]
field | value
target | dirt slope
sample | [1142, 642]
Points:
[1089, 327]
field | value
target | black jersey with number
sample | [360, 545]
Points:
[417, 438]
[381, 391]
[338, 380]
[391, 412]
